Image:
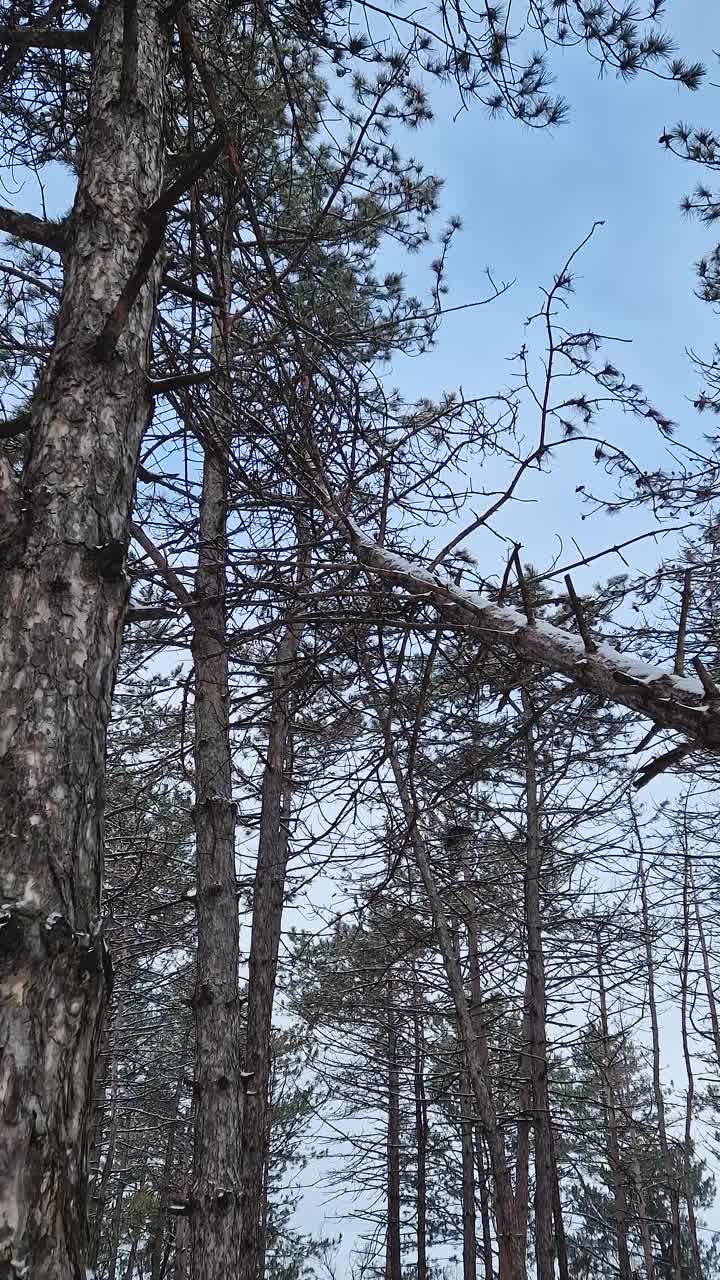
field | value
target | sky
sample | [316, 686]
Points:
[527, 199]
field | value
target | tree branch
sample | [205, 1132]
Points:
[38, 38]
[675, 702]
[27, 227]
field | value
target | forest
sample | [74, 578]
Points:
[359, 885]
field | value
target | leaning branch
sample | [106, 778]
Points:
[672, 701]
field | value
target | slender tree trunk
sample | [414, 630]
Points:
[709, 989]
[522, 1146]
[670, 1174]
[488, 1271]
[617, 1169]
[504, 1198]
[393, 1265]
[560, 1237]
[643, 1220]
[421, 1133]
[468, 1181]
[215, 1197]
[544, 1162]
[697, 1273]
[158, 1240]
[268, 901]
[64, 596]
[481, 1047]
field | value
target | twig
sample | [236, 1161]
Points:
[682, 626]
[526, 597]
[576, 607]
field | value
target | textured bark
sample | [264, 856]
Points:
[393, 1265]
[64, 595]
[617, 1168]
[215, 1201]
[268, 901]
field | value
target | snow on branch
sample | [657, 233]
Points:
[673, 701]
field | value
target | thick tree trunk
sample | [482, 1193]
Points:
[268, 901]
[64, 595]
[216, 1204]
[393, 1265]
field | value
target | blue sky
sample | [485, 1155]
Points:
[527, 198]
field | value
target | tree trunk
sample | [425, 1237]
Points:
[504, 1198]
[537, 1044]
[158, 1240]
[522, 1147]
[617, 1169]
[484, 1205]
[468, 1181]
[672, 1183]
[709, 989]
[215, 1198]
[268, 902]
[64, 596]
[421, 1134]
[393, 1265]
[643, 1221]
[697, 1272]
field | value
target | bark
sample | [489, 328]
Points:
[421, 1134]
[268, 901]
[215, 1215]
[64, 596]
[393, 1264]
[670, 1173]
[676, 702]
[617, 1169]
[537, 1043]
